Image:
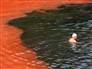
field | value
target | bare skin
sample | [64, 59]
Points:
[73, 39]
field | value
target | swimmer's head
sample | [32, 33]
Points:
[74, 35]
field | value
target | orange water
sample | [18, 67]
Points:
[13, 54]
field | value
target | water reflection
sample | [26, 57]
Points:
[48, 33]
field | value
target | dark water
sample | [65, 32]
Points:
[47, 32]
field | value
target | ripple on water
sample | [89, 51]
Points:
[49, 35]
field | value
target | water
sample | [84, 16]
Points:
[48, 33]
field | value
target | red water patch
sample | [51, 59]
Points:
[13, 54]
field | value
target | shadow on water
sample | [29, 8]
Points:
[47, 32]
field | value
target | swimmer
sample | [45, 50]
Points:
[73, 41]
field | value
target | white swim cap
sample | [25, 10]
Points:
[74, 35]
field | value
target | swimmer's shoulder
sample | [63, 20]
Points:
[70, 39]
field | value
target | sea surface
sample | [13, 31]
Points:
[13, 52]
